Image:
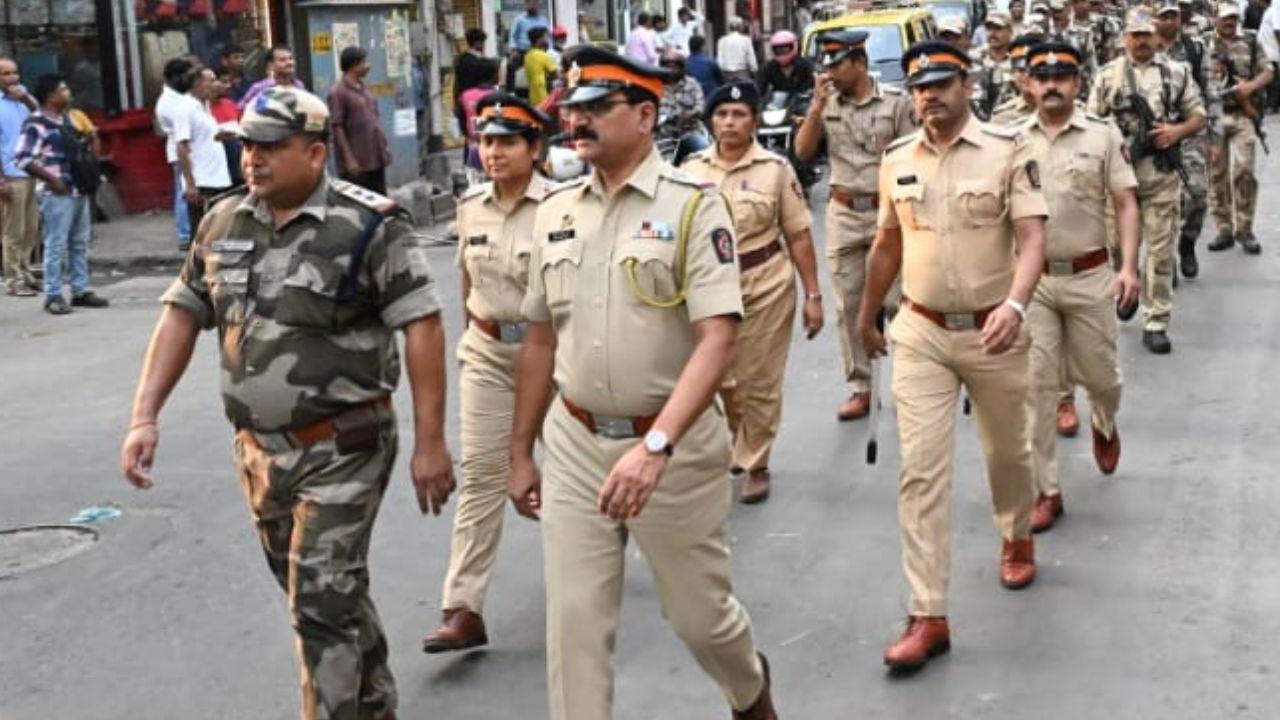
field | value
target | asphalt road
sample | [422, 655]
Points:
[1158, 594]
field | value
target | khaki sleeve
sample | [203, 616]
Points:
[905, 120]
[460, 232]
[189, 290]
[534, 306]
[887, 217]
[793, 209]
[1120, 175]
[1098, 97]
[1025, 198]
[404, 284]
[712, 286]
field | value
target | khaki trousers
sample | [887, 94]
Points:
[1159, 229]
[487, 387]
[929, 366]
[683, 532]
[1234, 184]
[752, 391]
[21, 231]
[1073, 321]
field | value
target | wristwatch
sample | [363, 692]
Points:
[656, 441]
[1017, 307]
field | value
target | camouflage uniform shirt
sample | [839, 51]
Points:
[302, 337]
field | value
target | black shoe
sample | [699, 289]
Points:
[89, 299]
[56, 306]
[1187, 260]
[1249, 243]
[1222, 242]
[1157, 341]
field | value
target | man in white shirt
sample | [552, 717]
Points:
[641, 44]
[201, 155]
[736, 55]
[171, 98]
[1269, 41]
[688, 23]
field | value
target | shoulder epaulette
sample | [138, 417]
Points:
[892, 89]
[238, 192]
[683, 177]
[472, 192]
[1096, 118]
[699, 155]
[365, 197]
[1012, 133]
[567, 184]
[901, 141]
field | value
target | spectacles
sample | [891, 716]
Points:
[594, 108]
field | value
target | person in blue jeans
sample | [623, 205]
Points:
[43, 151]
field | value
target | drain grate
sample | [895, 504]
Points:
[23, 549]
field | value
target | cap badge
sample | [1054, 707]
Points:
[924, 62]
[736, 93]
[1051, 59]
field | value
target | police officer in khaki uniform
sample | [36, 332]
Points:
[495, 236]
[1073, 313]
[1242, 72]
[1175, 101]
[962, 217]
[771, 221]
[633, 307]
[859, 117]
[306, 279]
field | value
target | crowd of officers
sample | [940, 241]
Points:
[635, 323]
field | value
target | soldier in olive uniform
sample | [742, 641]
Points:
[1242, 72]
[991, 62]
[633, 306]
[859, 117]
[1174, 99]
[768, 209]
[306, 279]
[962, 218]
[1073, 314]
[495, 235]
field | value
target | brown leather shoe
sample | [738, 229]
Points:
[762, 708]
[924, 638]
[1106, 452]
[755, 489]
[459, 629]
[858, 405]
[1017, 563]
[1068, 420]
[1046, 512]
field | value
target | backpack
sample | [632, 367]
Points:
[86, 171]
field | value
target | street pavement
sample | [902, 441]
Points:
[1158, 594]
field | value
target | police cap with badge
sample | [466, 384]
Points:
[282, 112]
[595, 74]
[741, 92]
[500, 113]
[840, 44]
[1054, 58]
[1020, 47]
[933, 61]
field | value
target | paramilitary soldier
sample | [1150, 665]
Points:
[306, 279]
[633, 306]
[859, 117]
[1014, 100]
[495, 236]
[1166, 87]
[962, 217]
[1073, 313]
[991, 62]
[769, 209]
[1243, 73]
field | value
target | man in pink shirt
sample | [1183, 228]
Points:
[641, 44]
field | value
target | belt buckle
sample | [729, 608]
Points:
[614, 428]
[960, 321]
[1062, 267]
[511, 333]
[863, 203]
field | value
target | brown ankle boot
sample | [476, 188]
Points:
[1017, 563]
[459, 629]
[762, 708]
[924, 638]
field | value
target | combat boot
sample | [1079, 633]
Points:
[1224, 241]
[1187, 258]
[1249, 243]
[762, 708]
[1157, 341]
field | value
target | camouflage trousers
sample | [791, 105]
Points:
[1195, 194]
[314, 510]
[1159, 225]
[1235, 184]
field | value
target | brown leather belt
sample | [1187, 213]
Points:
[322, 430]
[1087, 261]
[615, 428]
[504, 332]
[757, 257]
[854, 201]
[953, 321]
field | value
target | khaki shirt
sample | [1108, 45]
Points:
[858, 131]
[615, 354]
[1013, 111]
[493, 247]
[299, 343]
[1079, 168]
[763, 193]
[956, 206]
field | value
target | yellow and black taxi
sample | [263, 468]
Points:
[890, 28]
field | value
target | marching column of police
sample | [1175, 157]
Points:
[637, 322]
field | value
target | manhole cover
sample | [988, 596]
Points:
[27, 548]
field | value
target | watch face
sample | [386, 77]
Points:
[655, 441]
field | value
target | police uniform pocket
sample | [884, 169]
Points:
[476, 257]
[754, 212]
[313, 295]
[908, 203]
[226, 274]
[561, 261]
[1084, 175]
[651, 269]
[980, 201]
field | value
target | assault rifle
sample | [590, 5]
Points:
[1249, 110]
[1140, 145]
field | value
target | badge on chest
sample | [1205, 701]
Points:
[233, 245]
[654, 230]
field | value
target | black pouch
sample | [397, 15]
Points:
[356, 431]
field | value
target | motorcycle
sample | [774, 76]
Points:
[677, 140]
[780, 118]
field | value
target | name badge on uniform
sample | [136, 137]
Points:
[907, 180]
[654, 230]
[559, 235]
[233, 245]
[478, 240]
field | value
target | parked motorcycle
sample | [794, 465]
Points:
[780, 118]
[676, 140]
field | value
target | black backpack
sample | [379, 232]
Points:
[86, 171]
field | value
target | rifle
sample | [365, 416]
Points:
[1248, 109]
[1140, 146]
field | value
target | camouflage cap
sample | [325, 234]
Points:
[1228, 10]
[1139, 20]
[281, 112]
[999, 18]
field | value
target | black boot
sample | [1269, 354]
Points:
[1222, 242]
[1187, 258]
[1249, 243]
[1157, 341]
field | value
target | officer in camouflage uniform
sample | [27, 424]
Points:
[1185, 46]
[1078, 34]
[1016, 103]
[1104, 29]
[991, 62]
[1175, 101]
[306, 279]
